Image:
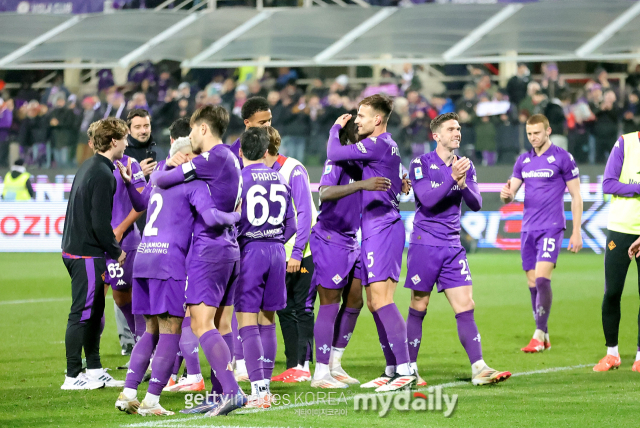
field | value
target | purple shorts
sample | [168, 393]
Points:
[334, 265]
[211, 283]
[381, 255]
[540, 246]
[120, 278]
[428, 265]
[261, 283]
[158, 296]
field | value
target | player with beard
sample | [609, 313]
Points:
[383, 234]
[160, 277]
[213, 266]
[441, 181]
[546, 170]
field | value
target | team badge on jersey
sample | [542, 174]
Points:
[415, 279]
[551, 159]
[418, 173]
[337, 279]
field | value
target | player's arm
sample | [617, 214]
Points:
[290, 223]
[509, 190]
[611, 184]
[471, 191]
[182, 174]
[136, 181]
[575, 242]
[361, 151]
[373, 184]
[423, 189]
[301, 194]
[200, 198]
[101, 207]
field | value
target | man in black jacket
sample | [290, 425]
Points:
[86, 238]
[140, 141]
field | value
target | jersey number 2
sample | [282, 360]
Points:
[149, 230]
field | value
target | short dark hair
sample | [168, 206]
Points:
[254, 143]
[216, 117]
[274, 140]
[381, 103]
[180, 128]
[439, 120]
[107, 130]
[254, 105]
[349, 133]
[137, 112]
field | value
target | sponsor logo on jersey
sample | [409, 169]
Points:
[575, 171]
[374, 139]
[155, 380]
[266, 360]
[263, 233]
[121, 282]
[435, 184]
[468, 278]
[415, 279]
[417, 160]
[327, 168]
[371, 275]
[153, 247]
[195, 350]
[130, 371]
[304, 270]
[205, 155]
[551, 159]
[571, 157]
[336, 279]
[433, 166]
[617, 144]
[236, 162]
[361, 147]
[418, 172]
[538, 173]
[527, 160]
[546, 255]
[611, 246]
[297, 173]
[138, 175]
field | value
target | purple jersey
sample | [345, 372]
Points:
[545, 179]
[122, 204]
[381, 158]
[220, 169]
[167, 235]
[438, 201]
[339, 221]
[235, 149]
[267, 209]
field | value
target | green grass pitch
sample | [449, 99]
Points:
[549, 389]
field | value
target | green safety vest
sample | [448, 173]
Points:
[15, 189]
[624, 213]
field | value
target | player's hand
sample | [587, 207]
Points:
[376, 184]
[342, 120]
[293, 265]
[125, 172]
[634, 249]
[505, 193]
[122, 258]
[177, 159]
[462, 183]
[406, 184]
[147, 166]
[118, 234]
[459, 167]
[575, 242]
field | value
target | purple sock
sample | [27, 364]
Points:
[254, 354]
[131, 322]
[168, 346]
[534, 294]
[323, 331]
[384, 343]
[543, 302]
[237, 350]
[141, 326]
[219, 358]
[269, 347]
[469, 336]
[228, 339]
[345, 324]
[414, 332]
[140, 357]
[177, 363]
[396, 329]
[190, 350]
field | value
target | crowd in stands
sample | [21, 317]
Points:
[49, 126]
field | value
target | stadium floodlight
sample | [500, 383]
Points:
[607, 32]
[39, 40]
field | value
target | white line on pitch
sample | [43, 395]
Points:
[18, 302]
[177, 423]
